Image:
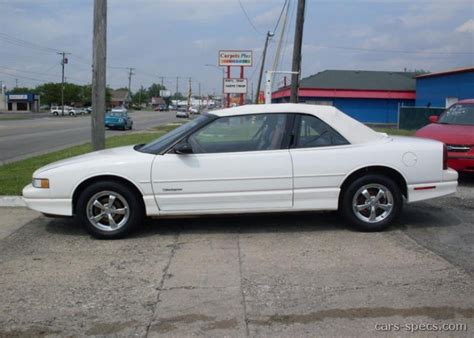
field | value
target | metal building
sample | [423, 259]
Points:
[368, 96]
[442, 89]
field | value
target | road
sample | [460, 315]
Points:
[23, 138]
[287, 275]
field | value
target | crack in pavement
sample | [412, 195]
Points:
[441, 312]
[244, 304]
[174, 246]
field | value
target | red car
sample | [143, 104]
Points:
[455, 127]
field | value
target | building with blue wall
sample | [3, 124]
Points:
[23, 102]
[368, 96]
[444, 88]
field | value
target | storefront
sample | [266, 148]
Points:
[23, 102]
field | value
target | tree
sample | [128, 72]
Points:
[141, 96]
[178, 96]
[50, 93]
[21, 90]
[154, 90]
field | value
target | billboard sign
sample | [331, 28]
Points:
[235, 58]
[235, 86]
[165, 93]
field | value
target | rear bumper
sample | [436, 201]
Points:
[54, 206]
[461, 163]
[115, 125]
[424, 191]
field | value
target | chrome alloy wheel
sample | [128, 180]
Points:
[372, 203]
[108, 210]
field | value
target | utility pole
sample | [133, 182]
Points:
[130, 73]
[16, 83]
[251, 92]
[140, 96]
[189, 93]
[63, 62]
[162, 82]
[99, 59]
[176, 92]
[296, 66]
[269, 36]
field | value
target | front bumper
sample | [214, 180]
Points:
[40, 200]
[461, 163]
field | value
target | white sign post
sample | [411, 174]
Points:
[235, 86]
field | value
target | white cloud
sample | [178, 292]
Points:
[467, 27]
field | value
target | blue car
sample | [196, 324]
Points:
[118, 119]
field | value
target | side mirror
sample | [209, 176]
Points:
[433, 118]
[183, 147]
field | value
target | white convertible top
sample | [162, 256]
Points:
[354, 131]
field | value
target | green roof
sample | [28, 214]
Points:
[360, 80]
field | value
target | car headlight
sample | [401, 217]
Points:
[42, 183]
[120, 120]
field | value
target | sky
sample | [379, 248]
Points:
[177, 38]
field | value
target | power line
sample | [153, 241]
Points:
[248, 18]
[279, 18]
[23, 77]
[31, 72]
[26, 44]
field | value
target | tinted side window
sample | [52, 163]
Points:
[315, 133]
[240, 133]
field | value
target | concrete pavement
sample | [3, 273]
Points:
[259, 275]
[24, 138]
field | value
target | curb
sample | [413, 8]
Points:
[12, 201]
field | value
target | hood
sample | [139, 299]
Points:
[101, 156]
[448, 133]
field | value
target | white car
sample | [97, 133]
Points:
[57, 110]
[249, 159]
[182, 114]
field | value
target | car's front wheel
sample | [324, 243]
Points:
[372, 202]
[109, 210]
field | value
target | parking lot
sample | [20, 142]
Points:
[257, 275]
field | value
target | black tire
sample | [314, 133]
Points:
[55, 113]
[125, 199]
[354, 198]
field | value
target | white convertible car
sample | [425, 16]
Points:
[255, 158]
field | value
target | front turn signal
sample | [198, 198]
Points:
[42, 183]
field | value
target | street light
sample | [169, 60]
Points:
[223, 76]
[269, 36]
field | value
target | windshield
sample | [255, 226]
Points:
[458, 114]
[116, 114]
[168, 139]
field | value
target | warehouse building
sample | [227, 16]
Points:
[442, 89]
[368, 96]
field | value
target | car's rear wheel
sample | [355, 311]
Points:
[372, 202]
[109, 210]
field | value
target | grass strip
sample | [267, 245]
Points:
[14, 176]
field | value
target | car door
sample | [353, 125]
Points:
[238, 164]
[320, 157]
